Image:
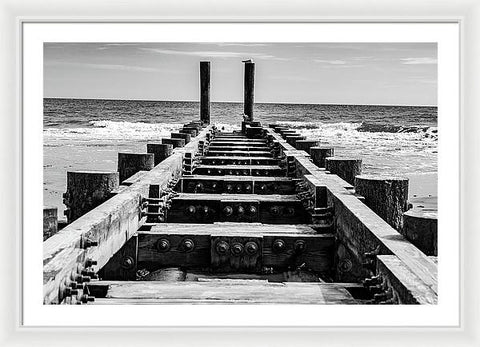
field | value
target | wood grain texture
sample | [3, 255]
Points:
[225, 292]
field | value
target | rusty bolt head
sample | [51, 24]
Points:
[237, 249]
[289, 211]
[227, 211]
[251, 248]
[248, 188]
[214, 186]
[275, 210]
[163, 245]
[300, 246]
[222, 247]
[263, 188]
[190, 210]
[229, 188]
[278, 246]
[188, 245]
[128, 263]
[238, 188]
[199, 187]
[252, 210]
[240, 210]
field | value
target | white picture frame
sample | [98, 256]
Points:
[21, 12]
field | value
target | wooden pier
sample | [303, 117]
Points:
[252, 216]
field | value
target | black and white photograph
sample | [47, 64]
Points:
[240, 173]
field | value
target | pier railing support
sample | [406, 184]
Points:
[249, 90]
[205, 92]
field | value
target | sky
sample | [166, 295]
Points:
[313, 73]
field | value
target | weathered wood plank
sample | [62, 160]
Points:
[408, 287]
[224, 292]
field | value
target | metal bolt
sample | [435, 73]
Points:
[163, 245]
[275, 210]
[229, 188]
[199, 187]
[128, 263]
[300, 246]
[240, 210]
[237, 249]
[89, 243]
[251, 247]
[227, 211]
[188, 245]
[248, 188]
[191, 210]
[70, 291]
[90, 262]
[87, 298]
[263, 188]
[278, 246]
[238, 188]
[252, 210]
[289, 211]
[222, 247]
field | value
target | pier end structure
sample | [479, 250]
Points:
[205, 92]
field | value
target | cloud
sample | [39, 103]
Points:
[331, 62]
[117, 67]
[418, 61]
[213, 54]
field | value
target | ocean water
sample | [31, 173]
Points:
[84, 134]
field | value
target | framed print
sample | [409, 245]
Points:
[220, 175]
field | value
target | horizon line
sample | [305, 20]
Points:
[241, 102]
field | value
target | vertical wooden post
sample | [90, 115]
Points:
[50, 221]
[386, 196]
[86, 190]
[319, 154]
[130, 163]
[205, 92]
[160, 151]
[420, 226]
[249, 90]
[345, 168]
[305, 145]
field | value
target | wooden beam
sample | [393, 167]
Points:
[223, 291]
